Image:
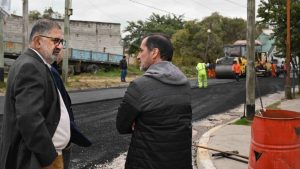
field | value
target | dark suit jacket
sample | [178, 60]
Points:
[31, 115]
[76, 136]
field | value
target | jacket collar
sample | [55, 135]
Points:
[35, 54]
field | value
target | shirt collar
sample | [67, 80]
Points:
[41, 57]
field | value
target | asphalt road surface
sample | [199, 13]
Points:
[97, 120]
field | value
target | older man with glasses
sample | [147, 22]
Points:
[36, 123]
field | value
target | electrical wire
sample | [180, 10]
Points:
[152, 7]
[108, 15]
[202, 5]
[237, 4]
[158, 9]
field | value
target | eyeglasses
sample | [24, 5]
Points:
[56, 41]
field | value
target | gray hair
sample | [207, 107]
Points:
[43, 26]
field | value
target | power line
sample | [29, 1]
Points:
[202, 5]
[108, 15]
[162, 10]
[158, 9]
[237, 4]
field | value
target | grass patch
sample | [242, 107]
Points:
[102, 79]
[189, 71]
[116, 72]
[2, 87]
[242, 121]
[134, 70]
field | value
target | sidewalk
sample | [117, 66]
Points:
[229, 137]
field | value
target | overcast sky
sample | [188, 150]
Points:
[121, 11]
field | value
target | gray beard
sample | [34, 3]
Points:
[52, 59]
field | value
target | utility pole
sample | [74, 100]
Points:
[250, 77]
[25, 25]
[68, 13]
[1, 48]
[288, 93]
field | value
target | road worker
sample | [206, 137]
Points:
[273, 70]
[236, 69]
[202, 76]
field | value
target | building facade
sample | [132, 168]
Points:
[84, 35]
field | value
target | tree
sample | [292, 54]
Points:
[167, 24]
[187, 47]
[190, 38]
[234, 29]
[48, 13]
[193, 40]
[34, 15]
[273, 12]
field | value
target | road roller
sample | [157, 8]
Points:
[223, 66]
[235, 52]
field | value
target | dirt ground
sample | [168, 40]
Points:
[94, 82]
[83, 82]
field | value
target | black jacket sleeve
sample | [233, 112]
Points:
[129, 109]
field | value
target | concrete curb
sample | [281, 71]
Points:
[203, 158]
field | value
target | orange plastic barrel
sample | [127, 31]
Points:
[275, 140]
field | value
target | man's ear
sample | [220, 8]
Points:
[155, 53]
[36, 42]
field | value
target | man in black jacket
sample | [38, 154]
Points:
[156, 109]
[123, 67]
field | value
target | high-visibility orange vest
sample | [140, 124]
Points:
[236, 68]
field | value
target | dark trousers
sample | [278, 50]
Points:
[237, 77]
[123, 74]
[66, 156]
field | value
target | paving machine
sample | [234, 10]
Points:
[235, 52]
[263, 65]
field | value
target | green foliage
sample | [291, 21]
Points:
[48, 13]
[34, 15]
[166, 24]
[194, 41]
[234, 27]
[134, 70]
[189, 71]
[191, 40]
[115, 72]
[2, 85]
[273, 12]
